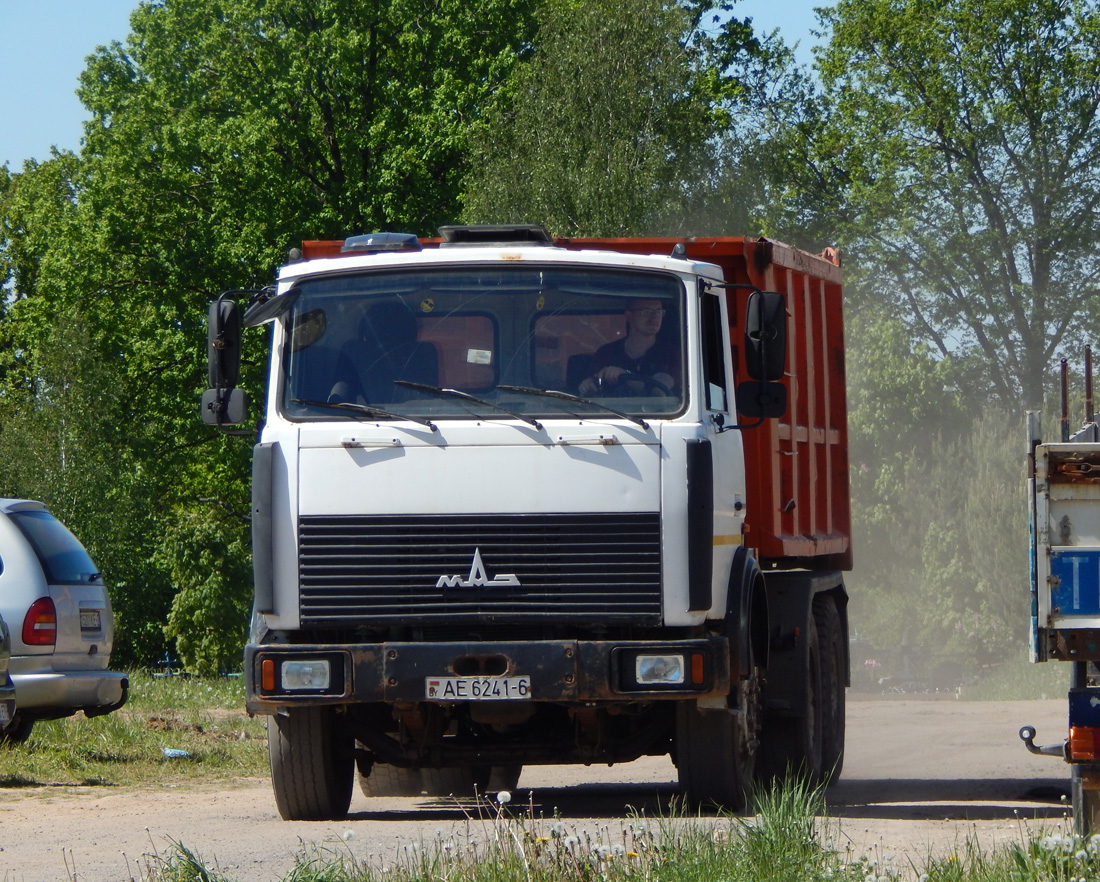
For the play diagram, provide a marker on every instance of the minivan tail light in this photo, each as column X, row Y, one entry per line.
column 40, row 624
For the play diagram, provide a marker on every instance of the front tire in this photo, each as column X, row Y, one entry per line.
column 457, row 781
column 504, row 778
column 716, row 748
column 312, row 764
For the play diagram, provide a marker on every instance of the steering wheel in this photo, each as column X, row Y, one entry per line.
column 646, row 381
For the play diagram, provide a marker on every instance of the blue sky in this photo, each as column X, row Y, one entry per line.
column 44, row 45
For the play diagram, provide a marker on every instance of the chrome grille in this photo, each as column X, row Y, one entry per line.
column 570, row 567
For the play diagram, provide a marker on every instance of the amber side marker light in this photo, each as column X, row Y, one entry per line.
column 1084, row 742
column 267, row 675
column 697, row 668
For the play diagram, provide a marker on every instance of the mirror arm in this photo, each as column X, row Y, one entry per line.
column 747, row 286
column 743, row 427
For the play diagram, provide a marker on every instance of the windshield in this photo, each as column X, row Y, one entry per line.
column 385, row 344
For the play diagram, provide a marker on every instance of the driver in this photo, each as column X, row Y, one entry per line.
column 615, row 365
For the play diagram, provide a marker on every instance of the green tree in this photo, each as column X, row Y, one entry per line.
column 939, row 515
column 222, row 132
column 62, row 443
column 608, row 128
column 213, row 582
column 968, row 136
column 279, row 119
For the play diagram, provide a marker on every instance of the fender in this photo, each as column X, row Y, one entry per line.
column 746, row 621
column 791, row 595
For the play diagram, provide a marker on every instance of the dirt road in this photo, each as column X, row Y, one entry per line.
column 918, row 775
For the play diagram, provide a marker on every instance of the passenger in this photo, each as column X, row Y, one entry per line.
column 385, row 349
column 618, row 367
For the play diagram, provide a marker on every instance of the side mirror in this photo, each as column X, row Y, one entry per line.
column 761, row 400
column 223, row 350
column 223, row 404
column 224, row 407
column 766, row 335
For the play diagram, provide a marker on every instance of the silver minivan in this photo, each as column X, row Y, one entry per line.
column 59, row 614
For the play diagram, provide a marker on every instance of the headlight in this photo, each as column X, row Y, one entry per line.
column 311, row 674
column 659, row 670
column 292, row 674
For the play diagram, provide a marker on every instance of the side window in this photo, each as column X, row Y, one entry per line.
column 714, row 353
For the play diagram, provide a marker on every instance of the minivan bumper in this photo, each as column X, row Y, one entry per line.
column 51, row 695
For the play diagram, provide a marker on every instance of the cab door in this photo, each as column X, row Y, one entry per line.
column 720, row 427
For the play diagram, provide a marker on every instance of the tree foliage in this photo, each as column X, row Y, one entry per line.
column 950, row 150
column 608, row 128
column 938, row 507
column 222, row 132
column 968, row 136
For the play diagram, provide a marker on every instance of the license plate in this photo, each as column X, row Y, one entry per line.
column 477, row 688
column 89, row 620
column 5, row 712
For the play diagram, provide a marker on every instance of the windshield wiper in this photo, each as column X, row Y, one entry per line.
column 366, row 410
column 566, row 396
column 465, row 396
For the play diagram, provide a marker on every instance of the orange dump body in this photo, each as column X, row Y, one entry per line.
column 798, row 502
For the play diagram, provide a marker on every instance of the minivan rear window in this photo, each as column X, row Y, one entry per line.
column 63, row 558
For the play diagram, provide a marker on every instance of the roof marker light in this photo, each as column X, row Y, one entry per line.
column 373, row 243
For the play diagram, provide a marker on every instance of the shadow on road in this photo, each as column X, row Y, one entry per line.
column 984, row 799
column 886, row 799
column 593, row 800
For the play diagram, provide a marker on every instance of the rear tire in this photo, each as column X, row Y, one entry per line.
column 17, row 731
column 831, row 634
column 793, row 746
column 387, row 780
column 312, row 764
column 456, row 781
column 504, row 778
column 1084, row 784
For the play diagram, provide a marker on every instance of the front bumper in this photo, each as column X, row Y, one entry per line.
column 559, row 671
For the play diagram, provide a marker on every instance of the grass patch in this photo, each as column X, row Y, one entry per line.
column 790, row 840
column 1019, row 680
column 203, row 720
column 786, row 843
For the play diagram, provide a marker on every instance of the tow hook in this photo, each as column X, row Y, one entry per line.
column 1027, row 735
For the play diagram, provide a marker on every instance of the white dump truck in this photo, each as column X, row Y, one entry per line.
column 519, row 499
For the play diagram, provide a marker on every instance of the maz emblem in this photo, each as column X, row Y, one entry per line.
column 477, row 577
